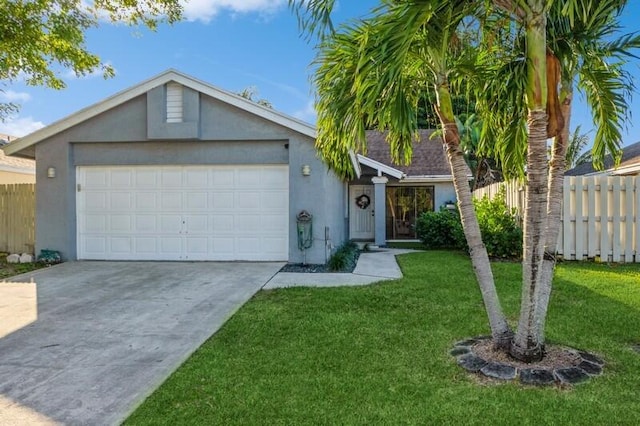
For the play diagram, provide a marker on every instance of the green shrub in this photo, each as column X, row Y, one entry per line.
column 345, row 258
column 440, row 229
column 501, row 233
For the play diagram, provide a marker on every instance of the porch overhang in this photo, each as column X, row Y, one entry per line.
column 379, row 167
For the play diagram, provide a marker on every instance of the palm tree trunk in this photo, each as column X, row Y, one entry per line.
column 526, row 345
column 500, row 331
column 554, row 205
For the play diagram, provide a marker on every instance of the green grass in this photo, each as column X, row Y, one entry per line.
column 415, row 245
column 379, row 354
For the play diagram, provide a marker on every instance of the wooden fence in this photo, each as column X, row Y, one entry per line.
column 17, row 218
column 600, row 216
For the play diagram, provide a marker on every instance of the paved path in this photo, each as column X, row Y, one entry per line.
column 104, row 335
column 374, row 266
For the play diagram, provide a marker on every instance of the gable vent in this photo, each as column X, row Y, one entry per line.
column 174, row 103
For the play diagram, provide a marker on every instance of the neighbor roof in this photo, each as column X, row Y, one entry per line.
column 630, row 158
column 299, row 126
column 17, row 165
column 428, row 159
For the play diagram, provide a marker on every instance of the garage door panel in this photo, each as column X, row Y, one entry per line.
column 146, row 245
column 171, row 201
column 221, row 200
column 95, row 223
column 95, row 245
column 183, row 212
column 171, row 177
column 197, row 178
column 146, row 223
column 146, row 201
column 120, row 201
column 96, row 201
column 121, row 245
column 121, row 178
column 97, row 178
column 248, row 200
column 120, row 223
column 197, row 200
column 147, row 178
column 170, row 224
column 171, row 245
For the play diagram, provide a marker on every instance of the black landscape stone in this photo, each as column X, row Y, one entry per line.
column 459, row 350
column 636, row 347
column 591, row 368
column 591, row 358
column 499, row 371
column 536, row 376
column 571, row 375
column 471, row 362
column 467, row 342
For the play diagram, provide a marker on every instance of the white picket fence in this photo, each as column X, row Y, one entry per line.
column 600, row 216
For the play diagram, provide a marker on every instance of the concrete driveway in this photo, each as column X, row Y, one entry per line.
column 108, row 333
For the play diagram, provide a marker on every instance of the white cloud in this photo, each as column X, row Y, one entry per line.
column 308, row 113
column 205, row 10
column 20, row 126
column 11, row 96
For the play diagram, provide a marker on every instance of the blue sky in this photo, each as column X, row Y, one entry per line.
column 231, row 44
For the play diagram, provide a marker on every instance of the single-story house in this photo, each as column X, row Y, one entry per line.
column 176, row 169
column 14, row 169
column 629, row 164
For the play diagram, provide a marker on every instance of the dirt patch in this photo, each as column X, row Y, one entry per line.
column 555, row 356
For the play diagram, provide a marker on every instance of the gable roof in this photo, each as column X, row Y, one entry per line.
column 170, row 75
column 429, row 159
column 630, row 163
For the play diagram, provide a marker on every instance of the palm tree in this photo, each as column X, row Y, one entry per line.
column 371, row 71
column 361, row 85
column 576, row 153
column 581, row 51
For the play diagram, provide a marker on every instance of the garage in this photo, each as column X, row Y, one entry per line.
column 183, row 212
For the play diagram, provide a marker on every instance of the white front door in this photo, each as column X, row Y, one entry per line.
column 183, row 212
column 361, row 212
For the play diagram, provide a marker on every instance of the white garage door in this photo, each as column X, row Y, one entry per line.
column 183, row 212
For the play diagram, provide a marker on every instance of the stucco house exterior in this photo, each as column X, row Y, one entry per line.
column 14, row 169
column 176, row 169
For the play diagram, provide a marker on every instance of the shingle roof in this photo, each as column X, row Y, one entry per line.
column 14, row 163
column 630, row 156
column 7, row 161
column 428, row 154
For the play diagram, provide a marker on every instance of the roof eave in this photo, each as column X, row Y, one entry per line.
column 380, row 167
column 141, row 88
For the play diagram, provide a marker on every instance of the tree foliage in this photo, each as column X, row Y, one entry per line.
column 39, row 39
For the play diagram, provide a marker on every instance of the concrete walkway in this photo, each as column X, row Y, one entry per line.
column 89, row 341
column 374, row 266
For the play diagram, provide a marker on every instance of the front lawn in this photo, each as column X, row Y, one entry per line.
column 379, row 354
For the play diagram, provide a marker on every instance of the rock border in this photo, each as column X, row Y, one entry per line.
column 589, row 366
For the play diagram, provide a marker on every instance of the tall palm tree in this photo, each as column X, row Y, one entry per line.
column 372, row 74
column 581, row 51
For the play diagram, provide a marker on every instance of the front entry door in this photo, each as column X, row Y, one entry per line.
column 361, row 213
